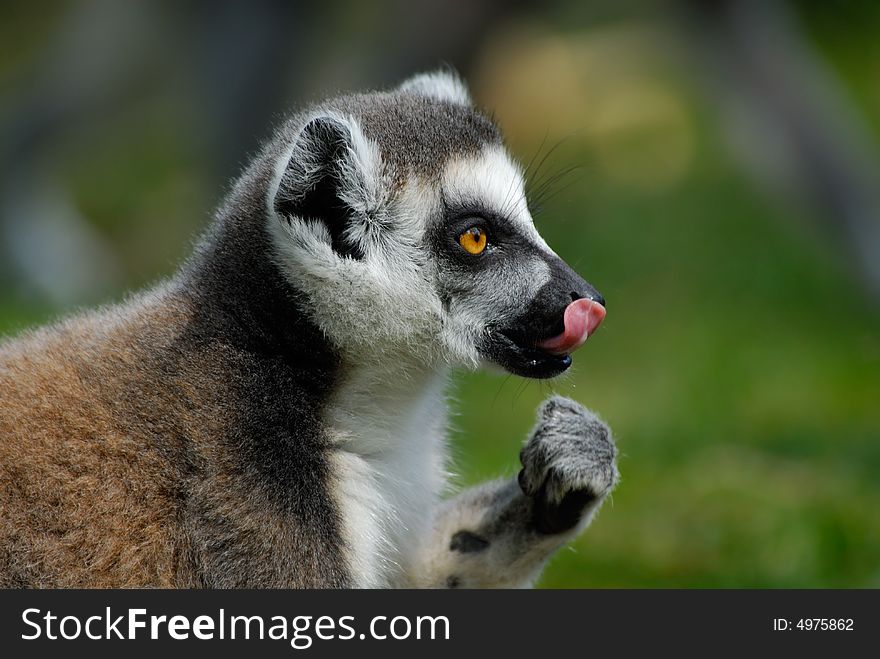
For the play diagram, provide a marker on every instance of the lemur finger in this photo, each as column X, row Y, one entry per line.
column 564, row 416
column 559, row 408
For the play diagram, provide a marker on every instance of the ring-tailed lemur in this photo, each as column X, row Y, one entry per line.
column 274, row 414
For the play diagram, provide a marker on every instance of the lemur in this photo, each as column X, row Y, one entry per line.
column 274, row 414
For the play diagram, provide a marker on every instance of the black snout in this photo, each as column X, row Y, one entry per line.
column 524, row 344
column 515, row 345
column 566, row 286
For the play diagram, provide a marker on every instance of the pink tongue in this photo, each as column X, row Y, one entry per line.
column 581, row 319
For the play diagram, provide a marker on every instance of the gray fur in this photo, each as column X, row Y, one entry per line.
column 419, row 134
column 416, row 133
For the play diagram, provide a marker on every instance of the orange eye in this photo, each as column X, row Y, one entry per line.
column 473, row 240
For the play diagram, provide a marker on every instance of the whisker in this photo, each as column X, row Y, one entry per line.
column 527, row 172
column 498, row 393
column 555, row 183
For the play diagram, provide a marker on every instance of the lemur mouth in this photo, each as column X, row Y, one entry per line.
column 549, row 356
column 582, row 317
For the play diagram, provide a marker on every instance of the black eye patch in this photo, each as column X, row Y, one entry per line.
column 461, row 216
column 504, row 240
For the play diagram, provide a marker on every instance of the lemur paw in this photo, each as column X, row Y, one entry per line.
column 569, row 464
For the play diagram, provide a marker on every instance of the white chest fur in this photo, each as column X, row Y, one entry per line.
column 388, row 466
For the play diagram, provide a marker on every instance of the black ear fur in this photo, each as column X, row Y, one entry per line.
column 311, row 184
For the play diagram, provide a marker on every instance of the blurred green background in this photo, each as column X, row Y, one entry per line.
column 725, row 202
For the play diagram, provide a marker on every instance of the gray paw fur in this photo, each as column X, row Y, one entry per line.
column 569, row 464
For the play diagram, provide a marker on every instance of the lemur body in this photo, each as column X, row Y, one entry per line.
column 274, row 415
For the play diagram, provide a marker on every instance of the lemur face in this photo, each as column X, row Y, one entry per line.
column 403, row 222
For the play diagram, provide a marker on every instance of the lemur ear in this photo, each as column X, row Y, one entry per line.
column 325, row 179
column 445, row 85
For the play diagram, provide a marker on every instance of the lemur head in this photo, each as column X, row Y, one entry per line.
column 403, row 223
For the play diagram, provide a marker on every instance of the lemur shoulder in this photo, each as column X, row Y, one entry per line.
column 274, row 414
